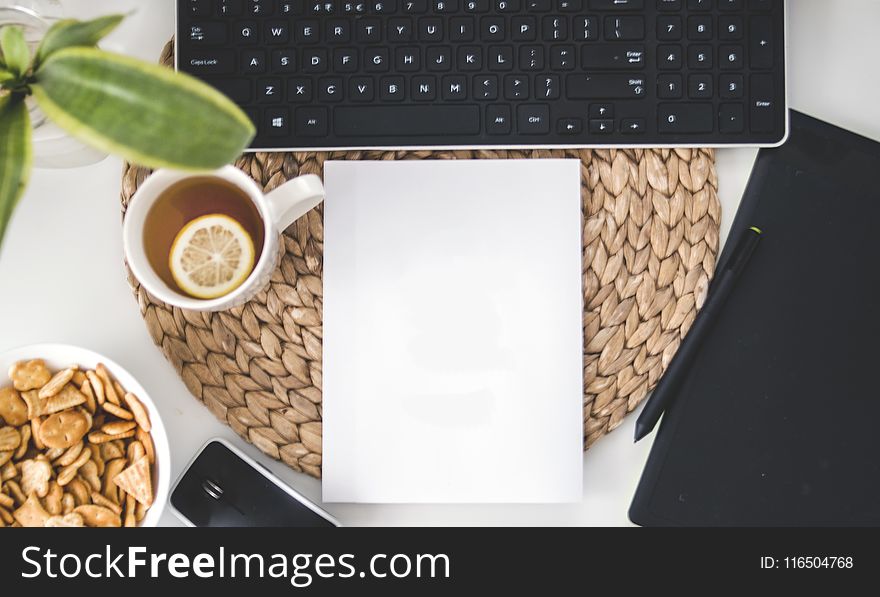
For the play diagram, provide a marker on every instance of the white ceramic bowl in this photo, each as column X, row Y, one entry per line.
column 59, row 356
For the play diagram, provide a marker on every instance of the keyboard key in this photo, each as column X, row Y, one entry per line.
column 361, row 89
column 269, row 91
column 569, row 5
column 523, row 29
column 445, row 6
column 277, row 122
column 700, row 86
column 562, row 57
column 516, row 87
column 683, row 118
column 230, row 8
column 762, row 102
column 498, row 120
column 531, row 58
column 731, row 86
column 697, row 5
column 492, row 29
column 731, row 57
column 760, row 42
column 400, row 30
column 253, row 61
column 602, row 126
column 547, row 87
column 284, row 61
column 669, row 5
column 430, row 29
column 669, row 57
column 700, row 28
column 246, row 34
column 632, row 126
column 601, row 111
column 215, row 62
column 408, row 59
column 486, row 87
column 312, row 122
column 569, row 126
column 556, row 28
column 668, row 28
column 424, row 89
column 513, row 5
column 406, row 121
column 478, row 6
column 731, row 118
column 330, row 89
column 454, row 88
column 586, row 28
column 470, row 58
column 368, row 30
column 345, row 60
column 260, row 8
column 533, row 119
column 760, row 4
column 669, row 87
column 617, row 4
column 338, row 31
column 461, row 29
column 438, row 58
column 277, row 33
column 500, row 58
column 299, row 90
column 624, row 28
column 602, row 86
column 376, row 60
column 314, row 60
column 613, row 57
column 307, row 32
column 199, row 8
column 700, row 57
column 414, row 7
column 207, row 34
column 391, row 89
column 238, row 90
column 730, row 28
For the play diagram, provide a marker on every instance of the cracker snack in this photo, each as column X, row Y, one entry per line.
column 75, row 449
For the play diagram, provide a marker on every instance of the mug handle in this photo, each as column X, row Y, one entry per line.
column 294, row 199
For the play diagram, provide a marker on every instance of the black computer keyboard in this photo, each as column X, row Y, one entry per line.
column 494, row 73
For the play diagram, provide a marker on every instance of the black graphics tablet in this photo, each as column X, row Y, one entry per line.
column 778, row 421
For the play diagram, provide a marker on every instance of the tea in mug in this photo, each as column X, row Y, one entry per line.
column 203, row 237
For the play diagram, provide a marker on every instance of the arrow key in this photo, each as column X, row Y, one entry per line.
column 601, row 110
column 601, row 126
column 569, row 126
column 632, row 126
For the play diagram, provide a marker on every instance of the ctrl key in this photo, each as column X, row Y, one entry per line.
column 533, row 119
column 311, row 122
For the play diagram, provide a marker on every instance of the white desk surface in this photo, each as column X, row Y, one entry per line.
column 62, row 276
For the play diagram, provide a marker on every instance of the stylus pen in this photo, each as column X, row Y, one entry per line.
column 681, row 362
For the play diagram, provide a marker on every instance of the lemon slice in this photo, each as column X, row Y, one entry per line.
column 212, row 256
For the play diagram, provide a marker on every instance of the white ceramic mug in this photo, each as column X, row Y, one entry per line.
column 278, row 210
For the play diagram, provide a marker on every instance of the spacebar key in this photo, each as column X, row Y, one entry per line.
column 404, row 121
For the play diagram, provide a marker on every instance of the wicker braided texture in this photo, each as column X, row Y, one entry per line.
column 651, row 221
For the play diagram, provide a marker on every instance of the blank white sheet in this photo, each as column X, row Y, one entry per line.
column 452, row 363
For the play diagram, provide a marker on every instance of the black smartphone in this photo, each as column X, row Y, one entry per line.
column 223, row 487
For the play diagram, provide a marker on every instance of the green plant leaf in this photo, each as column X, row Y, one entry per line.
column 72, row 33
column 15, row 50
column 5, row 75
column 16, row 155
column 147, row 114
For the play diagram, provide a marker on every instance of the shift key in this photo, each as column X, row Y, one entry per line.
column 605, row 86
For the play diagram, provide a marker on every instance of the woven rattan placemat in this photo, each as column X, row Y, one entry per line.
column 650, row 240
